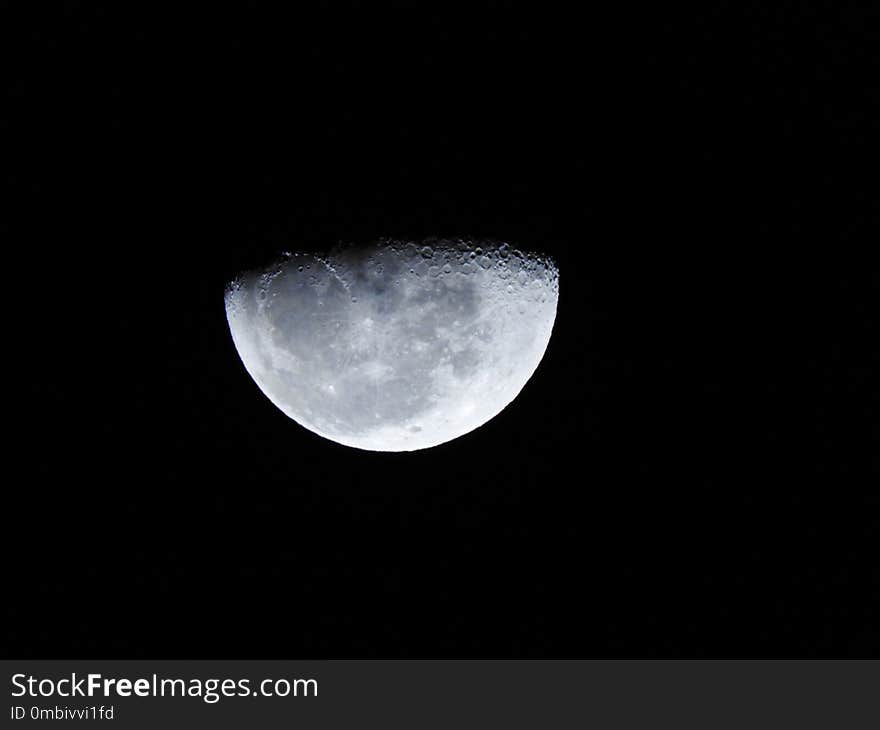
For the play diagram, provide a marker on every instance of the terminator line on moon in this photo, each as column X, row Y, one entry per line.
column 399, row 346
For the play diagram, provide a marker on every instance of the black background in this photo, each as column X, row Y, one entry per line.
column 689, row 472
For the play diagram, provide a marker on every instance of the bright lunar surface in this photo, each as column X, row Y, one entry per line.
column 398, row 346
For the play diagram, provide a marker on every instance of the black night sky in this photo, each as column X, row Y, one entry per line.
column 691, row 472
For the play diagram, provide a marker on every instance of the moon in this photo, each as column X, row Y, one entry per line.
column 397, row 346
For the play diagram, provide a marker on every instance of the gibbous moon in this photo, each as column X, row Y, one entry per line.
column 399, row 346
